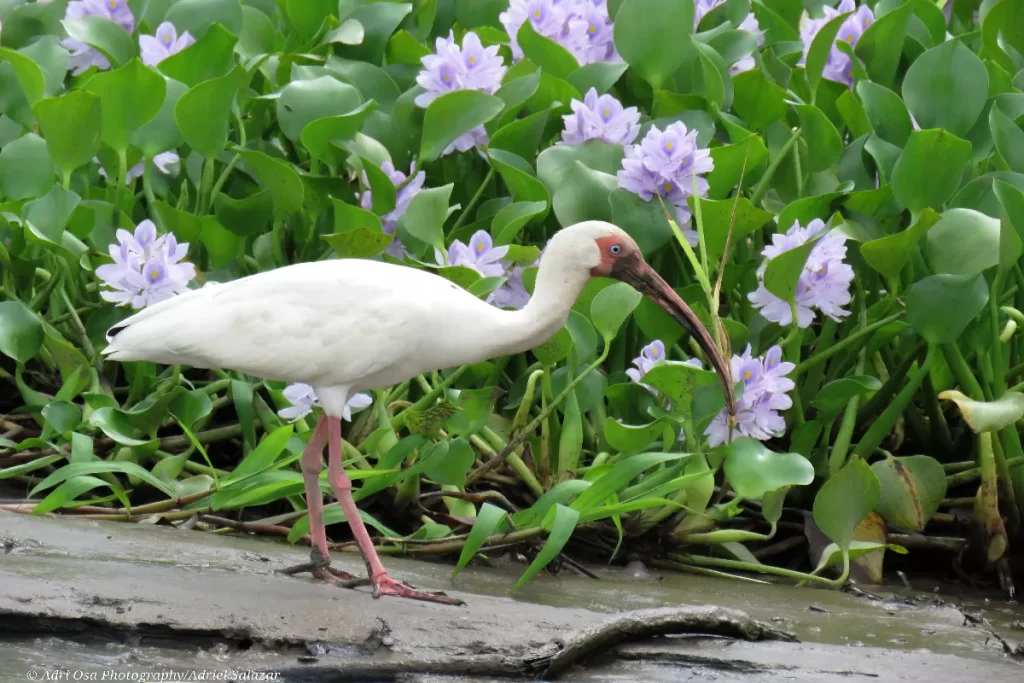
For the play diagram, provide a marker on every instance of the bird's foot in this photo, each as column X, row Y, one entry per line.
column 385, row 585
column 320, row 567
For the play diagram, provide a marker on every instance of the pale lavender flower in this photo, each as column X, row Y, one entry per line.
column 650, row 355
column 147, row 268
column 389, row 221
column 665, row 164
column 838, row 66
column 451, row 68
column 165, row 43
column 167, row 163
column 600, row 118
column 746, row 63
column 765, row 390
column 303, row 398
column 824, row 283
column 83, row 55
column 512, row 294
column 480, row 254
column 583, row 27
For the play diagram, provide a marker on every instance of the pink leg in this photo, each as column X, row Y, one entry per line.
column 342, row 485
column 312, row 464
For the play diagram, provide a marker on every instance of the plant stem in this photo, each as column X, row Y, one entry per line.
column 881, row 427
column 844, row 345
column 761, row 189
column 461, row 220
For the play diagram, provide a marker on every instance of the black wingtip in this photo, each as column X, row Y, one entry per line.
column 114, row 331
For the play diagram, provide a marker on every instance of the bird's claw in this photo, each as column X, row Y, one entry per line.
column 385, row 585
column 320, row 567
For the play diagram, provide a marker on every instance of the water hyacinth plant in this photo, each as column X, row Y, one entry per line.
column 835, row 189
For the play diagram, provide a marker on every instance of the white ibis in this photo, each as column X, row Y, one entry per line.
column 345, row 326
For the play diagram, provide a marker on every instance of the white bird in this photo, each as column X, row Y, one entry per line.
column 345, row 326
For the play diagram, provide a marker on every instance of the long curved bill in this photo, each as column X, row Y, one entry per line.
column 634, row 271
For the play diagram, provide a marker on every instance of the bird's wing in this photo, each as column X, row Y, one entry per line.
column 327, row 322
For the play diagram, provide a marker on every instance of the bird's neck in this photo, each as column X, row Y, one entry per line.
column 554, row 293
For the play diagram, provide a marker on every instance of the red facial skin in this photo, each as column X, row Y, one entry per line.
column 608, row 259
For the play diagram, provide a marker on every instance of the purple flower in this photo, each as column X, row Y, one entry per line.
column 302, row 398
column 650, row 355
column 749, row 24
column 480, row 254
column 147, row 268
column 824, row 283
column 471, row 67
column 83, row 55
column 838, row 66
column 665, row 163
column 600, row 118
column 167, row 163
column 389, row 221
column 583, row 27
column 165, row 43
column 765, row 388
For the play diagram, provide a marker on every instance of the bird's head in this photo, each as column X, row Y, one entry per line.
column 609, row 252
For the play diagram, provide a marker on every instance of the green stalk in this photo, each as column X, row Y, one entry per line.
column 962, row 372
column 702, row 561
column 761, row 189
column 844, row 344
column 883, row 425
column 477, row 196
column 996, row 350
column 205, row 185
column 398, row 421
column 837, row 458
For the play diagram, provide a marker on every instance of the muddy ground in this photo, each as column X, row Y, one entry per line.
column 133, row 602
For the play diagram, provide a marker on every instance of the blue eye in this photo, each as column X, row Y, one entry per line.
column 614, row 249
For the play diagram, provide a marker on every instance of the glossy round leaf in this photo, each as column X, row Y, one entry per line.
column 71, row 125
column 21, row 332
column 550, row 56
column 654, row 36
column 161, row 132
column 947, row 73
column 582, row 195
column 26, row 170
column 845, row 500
column 1008, row 139
column 212, row 56
column 279, row 178
column 940, row 307
column 988, row 416
column 833, row 397
column 881, row 45
column 302, row 102
column 318, row 135
column 454, row 114
column 963, row 242
column 129, row 97
column 929, row 170
column 889, row 254
column 425, row 217
column 103, row 34
column 203, row 113
column 912, row 488
column 889, row 117
column 611, row 307
column 753, row 471
column 196, row 16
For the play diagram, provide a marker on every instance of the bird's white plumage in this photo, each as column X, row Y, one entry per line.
column 350, row 325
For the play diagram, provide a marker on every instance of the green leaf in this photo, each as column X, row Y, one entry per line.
column 190, row 406
column 729, row 162
column 963, row 242
column 599, row 75
column 245, row 217
column 551, row 57
column 518, row 175
column 21, row 332
column 262, row 457
column 511, row 219
column 521, row 137
column 451, row 469
column 452, row 115
column 29, row 75
column 582, row 195
column 279, row 178
column 929, row 170
column 64, row 495
column 379, row 20
column 555, row 349
column 619, row 475
column 26, row 170
column 845, row 500
column 560, row 525
column 758, row 101
column 679, row 383
column 555, row 161
column 783, row 272
column 425, row 217
column 717, row 217
column 106, row 36
column 833, row 397
column 889, row 117
column 197, row 16
column 1008, row 139
column 359, row 243
column 79, row 468
column 611, row 307
column 820, row 49
column 161, row 132
column 833, row 554
column 632, row 439
column 129, row 97
column 654, row 36
column 940, row 307
column 115, row 424
column 644, row 221
column 62, row 416
column 753, row 470
column 988, row 416
column 71, row 125
column 307, row 15
column 203, row 113
column 889, row 254
column 487, row 521
column 824, row 146
column 212, row 56
column 912, row 488
column 318, row 134
column 302, row 102
column 881, row 45
column 947, row 73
